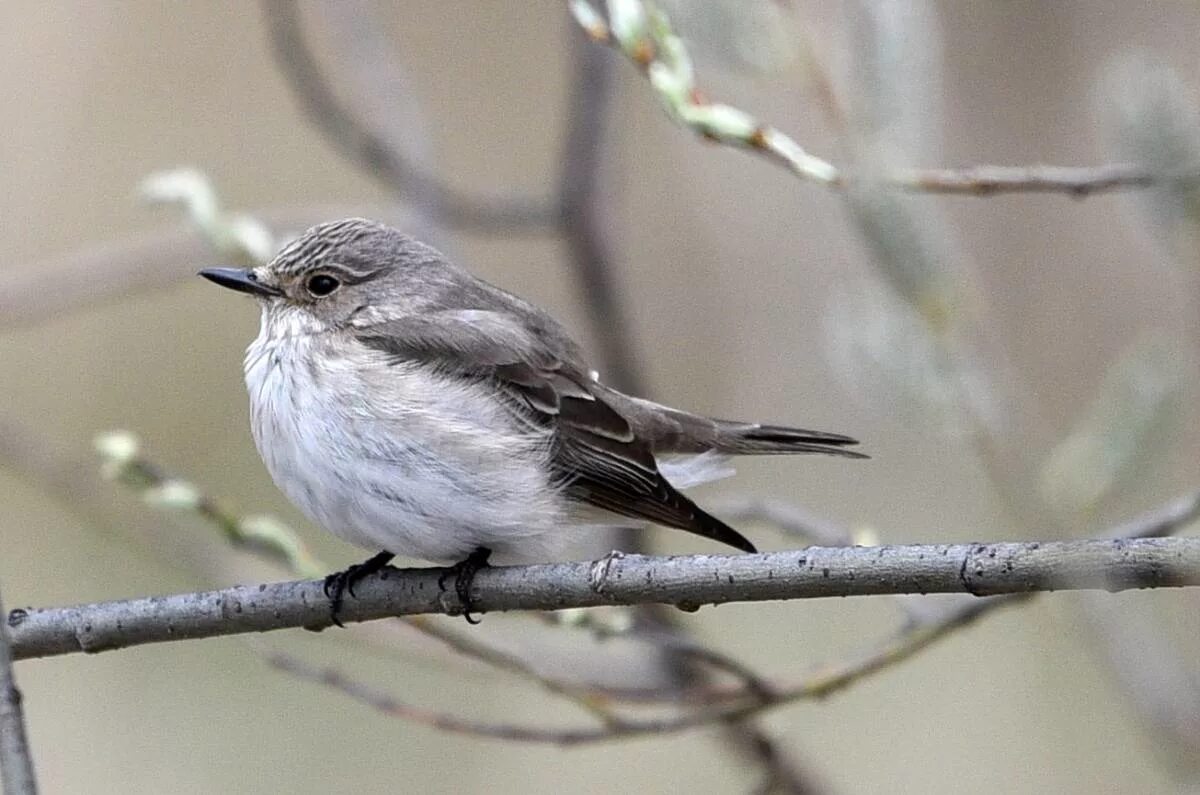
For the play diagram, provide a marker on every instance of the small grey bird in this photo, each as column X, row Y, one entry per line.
column 405, row 405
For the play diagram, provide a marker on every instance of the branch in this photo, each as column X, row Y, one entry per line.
column 388, row 158
column 1076, row 181
column 723, row 708
column 686, row 581
column 16, row 762
column 585, row 221
column 644, row 35
column 156, row 260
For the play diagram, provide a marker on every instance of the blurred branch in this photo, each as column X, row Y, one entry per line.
column 643, row 33
column 264, row 535
column 1154, row 676
column 790, row 518
column 820, row 683
column 16, row 761
column 585, row 222
column 109, row 272
column 331, row 677
column 385, row 154
column 684, row 581
column 1077, row 181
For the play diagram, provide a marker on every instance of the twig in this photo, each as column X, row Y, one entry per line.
column 822, row 682
column 644, row 35
column 687, row 581
column 331, row 677
column 748, row 680
column 383, row 157
column 1076, row 181
column 265, row 535
column 590, row 699
column 16, row 761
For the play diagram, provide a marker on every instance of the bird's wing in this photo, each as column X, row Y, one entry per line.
column 597, row 455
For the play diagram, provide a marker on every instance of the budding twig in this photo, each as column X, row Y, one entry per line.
column 643, row 33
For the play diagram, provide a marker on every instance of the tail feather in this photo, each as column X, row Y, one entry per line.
column 670, row 430
column 740, row 438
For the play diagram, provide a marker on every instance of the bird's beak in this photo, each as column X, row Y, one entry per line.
column 241, row 279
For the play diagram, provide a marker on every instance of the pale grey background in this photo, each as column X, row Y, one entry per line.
column 727, row 264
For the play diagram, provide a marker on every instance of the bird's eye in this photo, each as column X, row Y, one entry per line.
column 322, row 284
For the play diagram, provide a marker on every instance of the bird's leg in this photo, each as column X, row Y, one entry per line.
column 338, row 583
column 464, row 575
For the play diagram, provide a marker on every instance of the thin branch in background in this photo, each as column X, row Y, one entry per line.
column 586, row 226
column 590, row 699
column 821, row 683
column 748, row 680
column 388, row 159
column 1079, row 182
column 332, row 678
column 158, row 260
column 585, row 221
column 788, row 517
column 644, row 35
column 16, row 760
column 264, row 535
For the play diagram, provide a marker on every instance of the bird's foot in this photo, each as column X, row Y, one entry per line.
column 464, row 575
column 342, row 582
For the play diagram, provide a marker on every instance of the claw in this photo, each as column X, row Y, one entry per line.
column 464, row 575
column 341, row 582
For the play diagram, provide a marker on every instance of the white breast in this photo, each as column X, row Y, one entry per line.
column 397, row 456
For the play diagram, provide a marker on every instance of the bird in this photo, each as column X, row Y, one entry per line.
column 407, row 406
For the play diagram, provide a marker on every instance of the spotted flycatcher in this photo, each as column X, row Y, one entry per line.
column 405, row 405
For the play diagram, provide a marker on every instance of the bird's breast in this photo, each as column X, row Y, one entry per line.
column 397, row 455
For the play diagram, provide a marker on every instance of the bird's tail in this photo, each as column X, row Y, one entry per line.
column 744, row 438
column 673, row 431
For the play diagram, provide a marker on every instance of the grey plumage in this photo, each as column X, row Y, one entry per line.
column 406, row 337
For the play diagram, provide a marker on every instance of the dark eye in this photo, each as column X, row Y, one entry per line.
column 322, row 284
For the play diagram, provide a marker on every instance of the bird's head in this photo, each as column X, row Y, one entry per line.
column 337, row 274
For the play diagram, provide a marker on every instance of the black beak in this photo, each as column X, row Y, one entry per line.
column 241, row 279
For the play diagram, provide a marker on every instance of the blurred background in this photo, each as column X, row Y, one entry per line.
column 1018, row 366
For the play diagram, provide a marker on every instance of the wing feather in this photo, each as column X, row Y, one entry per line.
column 597, row 455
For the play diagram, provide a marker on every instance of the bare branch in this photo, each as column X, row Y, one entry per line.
column 686, row 581
column 822, row 682
column 16, row 761
column 1077, row 181
column 331, row 677
column 728, row 710
column 388, row 158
